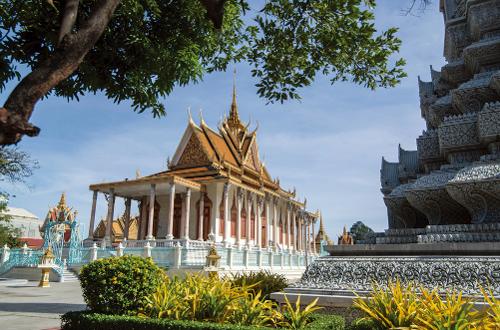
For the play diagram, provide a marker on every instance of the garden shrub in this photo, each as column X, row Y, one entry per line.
column 406, row 307
column 200, row 298
column 85, row 320
column 263, row 281
column 119, row 285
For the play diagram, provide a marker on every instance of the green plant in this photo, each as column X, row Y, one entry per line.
column 84, row 320
column 296, row 317
column 119, row 285
column 208, row 299
column 451, row 312
column 363, row 324
column 391, row 308
column 491, row 318
column 263, row 281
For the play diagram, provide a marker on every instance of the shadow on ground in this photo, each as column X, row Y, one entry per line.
column 55, row 308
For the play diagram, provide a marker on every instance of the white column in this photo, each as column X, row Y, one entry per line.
column 171, row 202
column 299, row 234
column 313, row 239
column 294, row 224
column 188, row 211
column 152, row 199
column 268, row 221
column 239, row 201
column 109, row 218
column 258, row 231
column 227, row 228
column 249, row 208
column 288, row 229
column 275, row 223
column 92, row 215
column 128, row 203
column 201, row 216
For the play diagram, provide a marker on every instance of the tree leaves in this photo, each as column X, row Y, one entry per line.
column 152, row 46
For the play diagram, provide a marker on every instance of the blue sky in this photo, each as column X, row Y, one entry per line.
column 329, row 145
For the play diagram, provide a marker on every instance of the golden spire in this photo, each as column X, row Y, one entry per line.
column 321, row 228
column 234, row 118
column 62, row 201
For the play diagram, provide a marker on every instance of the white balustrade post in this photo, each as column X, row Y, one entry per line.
column 5, row 253
column 282, row 258
column 147, row 250
column 25, row 249
column 271, row 258
column 177, row 256
column 259, row 258
column 230, row 257
column 119, row 250
column 93, row 252
column 246, row 256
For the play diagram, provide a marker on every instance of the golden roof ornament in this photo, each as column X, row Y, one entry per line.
column 346, row 238
column 62, row 201
column 233, row 121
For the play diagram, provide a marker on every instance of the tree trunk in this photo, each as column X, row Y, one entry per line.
column 17, row 110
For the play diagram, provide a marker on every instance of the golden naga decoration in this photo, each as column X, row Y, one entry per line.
column 346, row 238
column 60, row 213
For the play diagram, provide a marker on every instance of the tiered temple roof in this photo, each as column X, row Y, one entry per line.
column 205, row 155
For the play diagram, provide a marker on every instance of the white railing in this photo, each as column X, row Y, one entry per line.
column 178, row 253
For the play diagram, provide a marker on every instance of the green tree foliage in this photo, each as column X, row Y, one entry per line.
column 359, row 231
column 150, row 46
column 8, row 234
column 15, row 167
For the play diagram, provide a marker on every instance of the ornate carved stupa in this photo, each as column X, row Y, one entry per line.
column 448, row 190
column 443, row 199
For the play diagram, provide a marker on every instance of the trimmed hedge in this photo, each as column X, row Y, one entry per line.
column 87, row 320
column 119, row 285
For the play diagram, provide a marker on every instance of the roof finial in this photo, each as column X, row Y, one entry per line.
column 202, row 120
column 62, row 201
column 234, row 118
column 189, row 115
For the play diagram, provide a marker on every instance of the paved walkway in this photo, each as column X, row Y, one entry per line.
column 28, row 307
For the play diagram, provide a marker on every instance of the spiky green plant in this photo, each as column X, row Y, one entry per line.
column 450, row 312
column 294, row 317
column 394, row 307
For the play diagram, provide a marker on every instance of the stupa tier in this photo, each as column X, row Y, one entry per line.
column 448, row 190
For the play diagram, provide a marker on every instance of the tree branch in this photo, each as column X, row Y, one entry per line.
column 68, row 19
column 17, row 110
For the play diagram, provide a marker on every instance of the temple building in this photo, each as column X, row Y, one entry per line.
column 215, row 189
column 119, row 229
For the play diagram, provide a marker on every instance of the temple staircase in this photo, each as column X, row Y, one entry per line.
column 69, row 276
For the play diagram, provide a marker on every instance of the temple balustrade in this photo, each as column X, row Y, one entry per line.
column 192, row 255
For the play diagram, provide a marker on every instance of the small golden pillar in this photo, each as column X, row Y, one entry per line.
column 46, row 264
column 213, row 262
